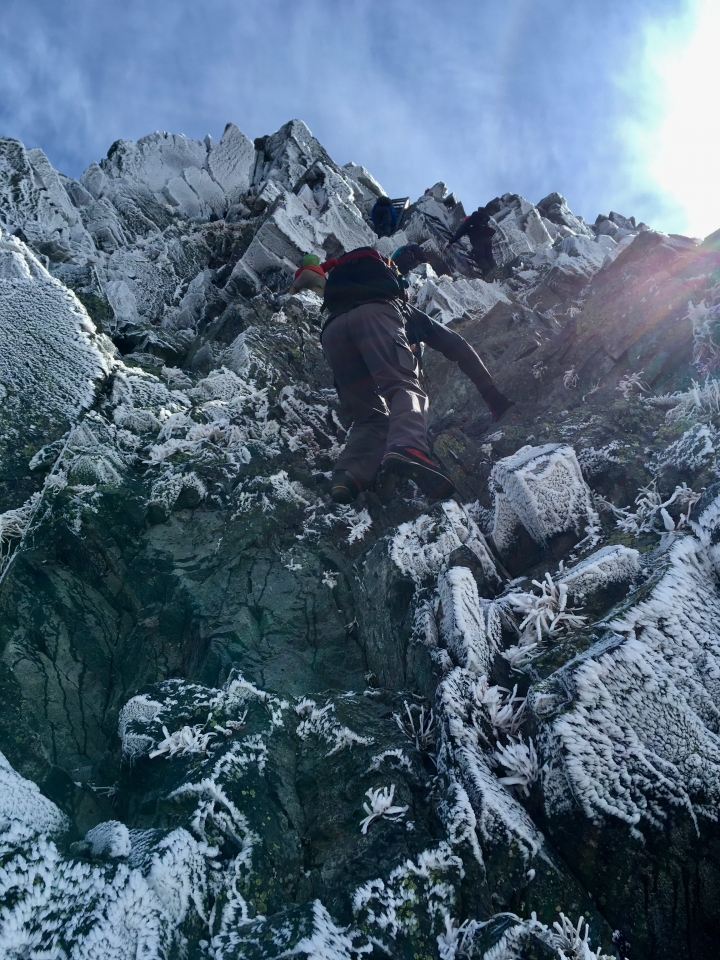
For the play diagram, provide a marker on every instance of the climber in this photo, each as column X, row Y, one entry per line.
column 309, row 276
column 477, row 229
column 407, row 257
column 384, row 217
column 371, row 339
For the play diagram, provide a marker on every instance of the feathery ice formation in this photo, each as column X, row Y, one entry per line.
column 239, row 721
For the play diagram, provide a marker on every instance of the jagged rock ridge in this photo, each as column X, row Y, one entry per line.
column 239, row 721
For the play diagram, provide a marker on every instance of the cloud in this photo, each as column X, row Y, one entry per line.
column 491, row 96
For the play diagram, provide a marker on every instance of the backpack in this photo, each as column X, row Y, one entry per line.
column 360, row 276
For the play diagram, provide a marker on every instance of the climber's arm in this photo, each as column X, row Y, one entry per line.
column 460, row 232
column 450, row 344
column 421, row 327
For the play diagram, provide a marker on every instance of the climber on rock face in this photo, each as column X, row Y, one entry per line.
column 370, row 339
column 384, row 217
column 309, row 276
column 407, row 257
column 477, row 229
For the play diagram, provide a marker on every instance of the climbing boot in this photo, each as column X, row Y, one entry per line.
column 345, row 488
column 415, row 465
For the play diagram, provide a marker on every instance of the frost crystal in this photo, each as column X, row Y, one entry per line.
column 184, row 741
column 457, row 940
column 631, row 385
column 111, row 839
column 466, row 625
column 545, row 615
column 565, row 940
column 651, row 510
column 699, row 400
column 705, row 319
column 321, row 722
column 505, row 710
column 521, row 763
column 570, row 378
column 420, row 547
column 381, row 807
column 417, row 726
column 13, row 526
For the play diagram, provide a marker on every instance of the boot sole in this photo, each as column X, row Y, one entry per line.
column 432, row 482
column 343, row 495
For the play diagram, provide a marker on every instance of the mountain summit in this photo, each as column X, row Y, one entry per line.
column 241, row 721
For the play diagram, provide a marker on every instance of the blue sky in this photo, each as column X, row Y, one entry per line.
column 527, row 96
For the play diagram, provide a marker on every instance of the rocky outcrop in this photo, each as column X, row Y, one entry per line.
column 238, row 720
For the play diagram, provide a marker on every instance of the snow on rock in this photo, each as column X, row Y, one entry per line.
column 490, row 810
column 425, row 887
column 51, row 360
column 519, row 228
column 110, row 839
column 286, row 155
column 299, row 225
column 231, row 162
column 606, row 567
column 144, row 723
column 34, row 201
column 639, row 736
column 221, row 412
column 446, row 299
column 573, row 260
column 542, row 489
column 465, row 625
column 149, row 163
column 559, row 220
column 25, row 814
column 115, row 910
column 420, row 547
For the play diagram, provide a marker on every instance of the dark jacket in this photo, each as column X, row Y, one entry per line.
column 476, row 228
column 420, row 328
column 384, row 217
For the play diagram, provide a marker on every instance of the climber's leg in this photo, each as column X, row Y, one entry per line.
column 367, row 438
column 377, row 332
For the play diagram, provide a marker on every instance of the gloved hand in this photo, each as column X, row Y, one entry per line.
column 497, row 403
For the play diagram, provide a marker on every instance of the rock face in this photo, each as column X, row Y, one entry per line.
column 238, row 721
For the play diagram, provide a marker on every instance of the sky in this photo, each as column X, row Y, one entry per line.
column 613, row 103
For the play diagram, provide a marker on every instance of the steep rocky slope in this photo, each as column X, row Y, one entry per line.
column 238, row 721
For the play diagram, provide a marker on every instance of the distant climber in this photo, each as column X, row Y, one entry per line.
column 309, row 276
column 370, row 339
column 407, row 257
column 384, row 217
column 477, row 229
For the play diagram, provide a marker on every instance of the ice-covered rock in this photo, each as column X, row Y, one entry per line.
column 51, row 360
column 639, row 735
column 34, row 201
column 542, row 490
column 446, row 299
column 231, row 163
column 554, row 208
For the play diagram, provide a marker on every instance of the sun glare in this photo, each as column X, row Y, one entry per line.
column 684, row 151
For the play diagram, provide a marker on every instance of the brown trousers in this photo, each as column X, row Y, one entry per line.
column 376, row 375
